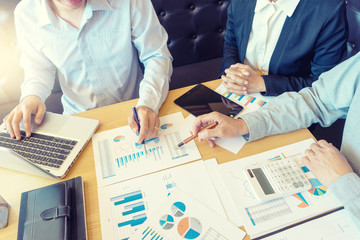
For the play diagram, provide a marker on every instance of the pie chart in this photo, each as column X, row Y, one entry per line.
column 178, row 209
column 166, row 222
column 189, row 228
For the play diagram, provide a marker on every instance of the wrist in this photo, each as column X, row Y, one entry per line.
column 241, row 127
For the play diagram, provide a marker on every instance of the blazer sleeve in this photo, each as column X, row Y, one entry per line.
column 329, row 50
column 230, row 52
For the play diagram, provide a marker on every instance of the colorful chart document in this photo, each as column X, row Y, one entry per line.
column 333, row 226
column 263, row 217
column 124, row 206
column 250, row 102
column 119, row 157
column 182, row 217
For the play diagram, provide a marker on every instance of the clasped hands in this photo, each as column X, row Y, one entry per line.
column 242, row 79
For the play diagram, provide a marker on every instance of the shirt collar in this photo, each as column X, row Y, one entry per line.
column 288, row 6
column 47, row 16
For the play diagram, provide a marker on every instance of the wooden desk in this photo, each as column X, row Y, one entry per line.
column 12, row 183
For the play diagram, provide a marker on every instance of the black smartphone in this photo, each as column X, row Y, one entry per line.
column 201, row 100
column 4, row 213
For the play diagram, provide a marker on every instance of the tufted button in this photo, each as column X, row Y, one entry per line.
column 168, row 42
column 192, row 7
column 194, row 36
column 220, row 30
column 162, row 14
column 353, row 45
column 220, row 2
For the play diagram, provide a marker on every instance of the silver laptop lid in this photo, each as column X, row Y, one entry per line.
column 56, row 125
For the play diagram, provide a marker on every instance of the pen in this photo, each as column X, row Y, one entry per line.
column 211, row 125
column 138, row 124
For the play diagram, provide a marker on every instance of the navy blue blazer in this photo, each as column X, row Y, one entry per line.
column 312, row 41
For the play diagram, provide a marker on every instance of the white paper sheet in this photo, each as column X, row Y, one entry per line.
column 231, row 144
column 118, row 157
column 124, row 206
column 182, row 217
column 260, row 218
column 228, row 204
column 335, row 226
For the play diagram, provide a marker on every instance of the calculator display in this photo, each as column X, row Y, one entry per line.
column 263, row 181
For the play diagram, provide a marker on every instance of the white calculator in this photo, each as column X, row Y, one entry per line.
column 277, row 179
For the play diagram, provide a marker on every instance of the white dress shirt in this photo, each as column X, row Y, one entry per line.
column 267, row 24
column 100, row 60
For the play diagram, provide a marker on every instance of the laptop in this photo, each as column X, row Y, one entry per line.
column 52, row 148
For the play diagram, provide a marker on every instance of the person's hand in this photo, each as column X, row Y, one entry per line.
column 29, row 105
column 149, row 123
column 326, row 162
column 242, row 79
column 226, row 128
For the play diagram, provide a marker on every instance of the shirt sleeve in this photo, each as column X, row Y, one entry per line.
column 230, row 51
column 150, row 39
column 39, row 72
column 350, row 199
column 329, row 50
column 326, row 101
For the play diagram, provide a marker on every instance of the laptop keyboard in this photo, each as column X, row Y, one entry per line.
column 40, row 149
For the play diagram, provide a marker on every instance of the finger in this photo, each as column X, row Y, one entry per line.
column 208, row 134
column 144, row 127
column 323, row 143
column 157, row 127
column 8, row 125
column 132, row 123
column 16, row 124
column 40, row 114
column 211, row 143
column 235, row 73
column 152, row 130
column 27, row 121
column 306, row 161
column 202, row 121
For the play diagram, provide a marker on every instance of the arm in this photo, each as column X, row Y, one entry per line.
column 350, row 199
column 329, row 49
column 150, row 39
column 230, row 52
column 39, row 74
column 327, row 100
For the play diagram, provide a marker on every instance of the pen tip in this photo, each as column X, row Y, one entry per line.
column 176, row 147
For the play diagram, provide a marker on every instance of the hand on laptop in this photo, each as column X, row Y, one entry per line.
column 29, row 105
column 149, row 123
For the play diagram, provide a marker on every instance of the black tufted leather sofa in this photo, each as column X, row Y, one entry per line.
column 196, row 31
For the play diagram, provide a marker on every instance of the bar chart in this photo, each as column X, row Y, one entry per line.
column 129, row 210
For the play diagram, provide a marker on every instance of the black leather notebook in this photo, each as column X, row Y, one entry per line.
column 53, row 212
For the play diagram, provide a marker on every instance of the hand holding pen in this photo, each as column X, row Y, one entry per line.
column 147, row 120
column 226, row 127
column 209, row 126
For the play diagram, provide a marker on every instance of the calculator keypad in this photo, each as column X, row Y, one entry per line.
column 285, row 175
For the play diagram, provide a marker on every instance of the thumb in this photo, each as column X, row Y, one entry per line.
column 208, row 134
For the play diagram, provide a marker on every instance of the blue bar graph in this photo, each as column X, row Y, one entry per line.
column 134, row 210
column 136, row 220
column 241, row 97
column 129, row 197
